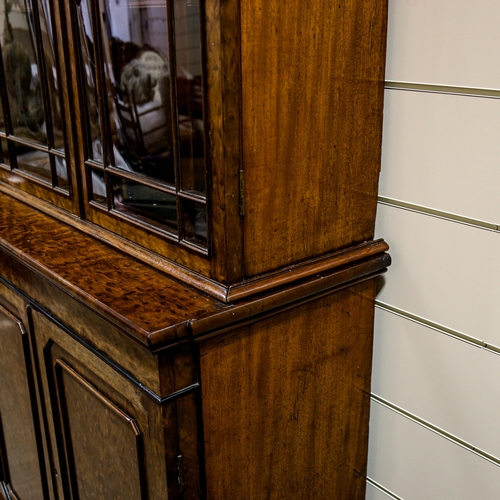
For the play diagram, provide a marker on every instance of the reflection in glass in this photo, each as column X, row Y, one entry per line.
column 5, row 152
column 142, row 201
column 34, row 161
column 87, row 56
column 51, row 71
column 189, row 94
column 126, row 62
column 22, row 76
column 98, row 187
column 61, row 172
column 195, row 222
column 2, row 118
column 135, row 48
column 32, row 88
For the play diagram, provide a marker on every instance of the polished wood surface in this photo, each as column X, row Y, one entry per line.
column 30, row 186
column 224, row 293
column 23, row 461
column 312, row 85
column 294, row 108
column 289, row 297
column 106, row 337
column 305, row 270
column 179, row 371
column 224, row 110
column 136, row 366
column 320, row 326
column 98, row 418
column 161, row 310
column 137, row 296
column 286, row 402
column 97, row 440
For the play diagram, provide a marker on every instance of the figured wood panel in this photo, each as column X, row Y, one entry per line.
column 285, row 402
column 104, row 440
column 125, row 291
column 94, row 406
column 312, row 92
column 105, row 337
column 17, row 422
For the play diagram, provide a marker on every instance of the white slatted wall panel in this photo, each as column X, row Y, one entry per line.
column 434, row 431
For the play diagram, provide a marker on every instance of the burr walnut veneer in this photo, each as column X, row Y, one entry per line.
column 187, row 268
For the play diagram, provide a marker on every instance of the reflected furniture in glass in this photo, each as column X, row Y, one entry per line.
column 187, row 256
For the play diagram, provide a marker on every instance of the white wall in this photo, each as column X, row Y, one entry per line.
column 435, row 431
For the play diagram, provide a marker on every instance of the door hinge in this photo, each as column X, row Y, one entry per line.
column 242, row 193
column 180, row 475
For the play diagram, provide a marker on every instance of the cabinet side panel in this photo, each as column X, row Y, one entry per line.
column 285, row 402
column 312, row 93
column 17, row 426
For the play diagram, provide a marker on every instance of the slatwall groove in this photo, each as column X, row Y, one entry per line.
column 443, row 89
column 436, row 430
column 451, row 217
column 379, row 487
column 437, row 327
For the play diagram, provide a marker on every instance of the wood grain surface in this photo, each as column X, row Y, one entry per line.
column 101, row 426
column 146, row 304
column 97, row 443
column 139, row 298
column 134, row 366
column 19, row 423
column 293, row 100
column 312, row 87
column 286, row 402
column 224, row 108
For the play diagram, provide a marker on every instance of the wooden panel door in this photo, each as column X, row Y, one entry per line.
column 21, row 458
column 108, row 433
column 97, row 435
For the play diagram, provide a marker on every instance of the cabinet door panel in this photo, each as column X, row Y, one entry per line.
column 106, row 432
column 19, row 446
column 99, row 435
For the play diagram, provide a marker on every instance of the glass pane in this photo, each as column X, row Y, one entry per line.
column 135, row 48
column 61, row 172
column 144, row 202
column 190, row 94
column 21, row 69
column 5, row 152
column 34, row 161
column 98, row 193
column 51, row 70
column 2, row 119
column 87, row 56
column 195, row 222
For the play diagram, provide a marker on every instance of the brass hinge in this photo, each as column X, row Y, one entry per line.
column 242, row 194
column 180, row 475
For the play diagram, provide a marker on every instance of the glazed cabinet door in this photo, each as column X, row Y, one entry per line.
column 21, row 456
column 106, row 434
